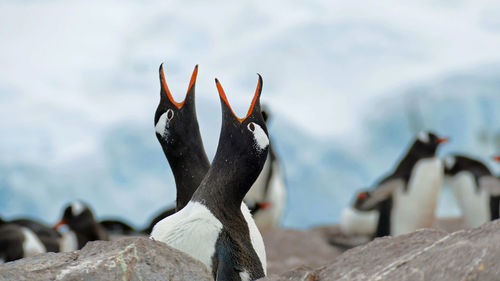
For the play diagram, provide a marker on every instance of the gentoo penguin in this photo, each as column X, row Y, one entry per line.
column 406, row 200
column 18, row 242
column 177, row 130
column 475, row 188
column 47, row 235
column 266, row 198
column 82, row 226
column 215, row 226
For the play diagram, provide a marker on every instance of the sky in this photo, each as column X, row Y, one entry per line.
column 70, row 71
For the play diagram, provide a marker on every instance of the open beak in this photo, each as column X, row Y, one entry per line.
column 167, row 90
column 255, row 99
column 443, row 140
column 59, row 224
column 496, row 158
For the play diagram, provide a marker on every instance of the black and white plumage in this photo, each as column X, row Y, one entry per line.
column 476, row 189
column 82, row 225
column 18, row 242
column 215, row 227
column 406, row 199
column 178, row 132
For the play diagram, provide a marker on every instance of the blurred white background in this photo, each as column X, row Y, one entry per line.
column 348, row 84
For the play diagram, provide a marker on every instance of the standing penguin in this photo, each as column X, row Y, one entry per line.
column 407, row 199
column 215, row 226
column 82, row 225
column 475, row 188
column 266, row 198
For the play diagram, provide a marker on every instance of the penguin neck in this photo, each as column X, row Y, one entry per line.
column 189, row 165
column 227, row 182
column 406, row 164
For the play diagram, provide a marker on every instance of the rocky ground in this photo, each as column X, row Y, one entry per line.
column 429, row 254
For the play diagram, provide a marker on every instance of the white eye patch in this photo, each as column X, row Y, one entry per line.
column 261, row 139
column 449, row 162
column 423, row 137
column 163, row 122
column 77, row 208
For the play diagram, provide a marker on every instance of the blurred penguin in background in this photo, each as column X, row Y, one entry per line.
column 17, row 242
column 266, row 199
column 406, row 199
column 475, row 188
column 82, row 227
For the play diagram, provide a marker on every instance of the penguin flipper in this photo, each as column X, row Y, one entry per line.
column 380, row 193
column 492, row 185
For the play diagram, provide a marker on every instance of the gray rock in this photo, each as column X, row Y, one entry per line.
column 472, row 254
column 289, row 248
column 126, row 259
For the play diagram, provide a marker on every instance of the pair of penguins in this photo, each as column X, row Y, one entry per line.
column 403, row 201
column 20, row 238
column 211, row 222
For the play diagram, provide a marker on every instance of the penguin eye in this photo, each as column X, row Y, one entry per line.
column 170, row 114
column 251, row 127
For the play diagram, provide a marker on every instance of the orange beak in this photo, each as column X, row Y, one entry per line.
column 443, row 140
column 59, row 224
column 496, row 158
column 362, row 195
column 264, row 205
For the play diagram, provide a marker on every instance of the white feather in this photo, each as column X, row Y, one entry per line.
column 261, row 139
column 161, row 125
column 473, row 203
column 77, row 208
column 68, row 241
column 255, row 237
column 415, row 208
column 355, row 222
column 244, row 276
column 423, row 136
column 32, row 244
column 276, row 196
column 193, row 230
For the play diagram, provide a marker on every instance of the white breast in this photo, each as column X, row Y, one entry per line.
column 255, row 237
column 32, row 244
column 68, row 241
column 276, row 195
column 193, row 230
column 473, row 203
column 415, row 208
column 355, row 222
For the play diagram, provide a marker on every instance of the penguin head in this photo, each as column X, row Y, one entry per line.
column 427, row 143
column 176, row 122
column 243, row 140
column 77, row 216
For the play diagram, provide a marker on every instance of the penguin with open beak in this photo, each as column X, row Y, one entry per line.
column 216, row 226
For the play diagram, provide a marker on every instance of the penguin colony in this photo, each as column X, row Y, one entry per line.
column 220, row 206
